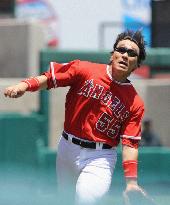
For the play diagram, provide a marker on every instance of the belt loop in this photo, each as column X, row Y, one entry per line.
column 99, row 146
column 70, row 137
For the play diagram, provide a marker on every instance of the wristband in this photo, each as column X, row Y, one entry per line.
column 33, row 84
column 130, row 168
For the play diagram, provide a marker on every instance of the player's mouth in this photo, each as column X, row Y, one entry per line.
column 123, row 64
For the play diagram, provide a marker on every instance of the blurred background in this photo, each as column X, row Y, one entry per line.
column 35, row 32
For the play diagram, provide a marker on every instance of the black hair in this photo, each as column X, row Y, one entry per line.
column 136, row 37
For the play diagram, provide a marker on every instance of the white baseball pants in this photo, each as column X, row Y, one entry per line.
column 83, row 173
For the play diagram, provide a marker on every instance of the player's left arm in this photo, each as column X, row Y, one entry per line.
column 130, row 165
column 131, row 135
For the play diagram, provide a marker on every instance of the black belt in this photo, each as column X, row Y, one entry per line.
column 85, row 144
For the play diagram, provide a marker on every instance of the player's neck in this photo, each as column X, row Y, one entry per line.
column 117, row 76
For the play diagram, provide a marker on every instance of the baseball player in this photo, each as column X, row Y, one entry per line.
column 102, row 108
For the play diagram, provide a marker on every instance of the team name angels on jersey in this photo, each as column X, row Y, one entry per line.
column 109, row 123
column 96, row 91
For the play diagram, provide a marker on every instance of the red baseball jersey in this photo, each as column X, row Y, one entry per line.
column 97, row 107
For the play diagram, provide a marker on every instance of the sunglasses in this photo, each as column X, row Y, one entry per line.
column 130, row 52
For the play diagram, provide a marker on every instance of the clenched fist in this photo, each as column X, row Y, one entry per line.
column 16, row 91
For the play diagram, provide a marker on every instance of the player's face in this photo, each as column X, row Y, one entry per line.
column 124, row 59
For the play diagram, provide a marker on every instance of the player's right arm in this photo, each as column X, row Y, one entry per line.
column 19, row 89
column 59, row 75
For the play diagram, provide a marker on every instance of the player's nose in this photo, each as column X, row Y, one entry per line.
column 125, row 54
